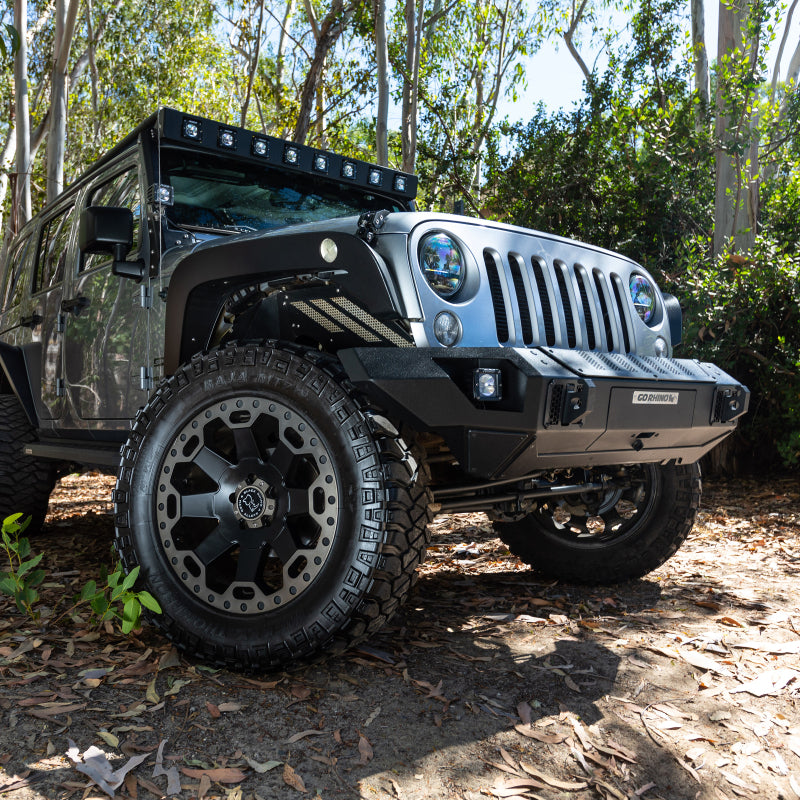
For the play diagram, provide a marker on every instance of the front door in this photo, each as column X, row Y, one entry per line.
column 106, row 338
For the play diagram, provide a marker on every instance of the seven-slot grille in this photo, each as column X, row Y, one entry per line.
column 559, row 305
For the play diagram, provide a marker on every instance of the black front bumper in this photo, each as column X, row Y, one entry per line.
column 559, row 408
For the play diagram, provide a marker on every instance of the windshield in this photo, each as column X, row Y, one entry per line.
column 210, row 192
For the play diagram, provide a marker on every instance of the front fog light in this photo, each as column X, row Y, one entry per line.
column 661, row 348
column 487, row 384
column 447, row 328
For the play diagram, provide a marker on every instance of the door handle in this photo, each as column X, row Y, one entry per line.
column 30, row 322
column 75, row 304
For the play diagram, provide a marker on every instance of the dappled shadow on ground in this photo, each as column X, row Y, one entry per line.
column 491, row 682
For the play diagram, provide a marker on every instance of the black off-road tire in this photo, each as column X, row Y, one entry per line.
column 307, row 514
column 633, row 533
column 25, row 482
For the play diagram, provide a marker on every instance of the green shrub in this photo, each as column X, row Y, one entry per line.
column 743, row 313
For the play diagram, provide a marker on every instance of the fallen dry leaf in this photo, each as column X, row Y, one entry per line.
column 769, row 682
column 291, row 778
column 544, row 738
column 704, row 662
column 365, row 749
column 221, row 774
column 570, row 786
column 262, row 767
column 303, row 734
column 94, row 764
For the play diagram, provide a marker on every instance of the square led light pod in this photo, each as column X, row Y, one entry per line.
column 192, row 129
column 226, row 138
column 487, row 384
column 400, row 183
column 375, row 177
column 259, row 146
column 320, row 163
column 291, row 155
column 348, row 170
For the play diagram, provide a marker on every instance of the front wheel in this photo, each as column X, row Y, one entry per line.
column 274, row 514
column 617, row 535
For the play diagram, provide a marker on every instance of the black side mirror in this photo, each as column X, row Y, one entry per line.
column 108, row 229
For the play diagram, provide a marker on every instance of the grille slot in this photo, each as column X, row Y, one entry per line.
column 498, row 301
column 544, row 299
column 626, row 339
column 560, row 269
column 522, row 298
column 580, row 276
column 602, row 287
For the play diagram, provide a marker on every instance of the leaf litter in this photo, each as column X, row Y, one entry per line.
column 492, row 682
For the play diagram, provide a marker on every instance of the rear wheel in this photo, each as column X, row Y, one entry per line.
column 274, row 514
column 25, row 482
column 616, row 535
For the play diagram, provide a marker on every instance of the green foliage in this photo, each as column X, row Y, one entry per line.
column 22, row 579
column 115, row 600
column 9, row 41
column 744, row 315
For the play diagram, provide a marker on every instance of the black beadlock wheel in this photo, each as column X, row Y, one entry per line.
column 274, row 514
column 614, row 536
column 25, row 482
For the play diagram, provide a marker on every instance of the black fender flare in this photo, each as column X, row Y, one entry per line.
column 204, row 277
column 15, row 373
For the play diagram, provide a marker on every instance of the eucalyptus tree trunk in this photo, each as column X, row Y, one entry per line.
column 6, row 160
column 21, row 202
column 736, row 207
column 382, row 60
column 326, row 35
column 700, row 59
column 65, row 17
column 410, row 92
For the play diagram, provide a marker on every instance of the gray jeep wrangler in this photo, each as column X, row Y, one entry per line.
column 291, row 371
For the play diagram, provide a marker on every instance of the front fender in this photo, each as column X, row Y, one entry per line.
column 206, row 276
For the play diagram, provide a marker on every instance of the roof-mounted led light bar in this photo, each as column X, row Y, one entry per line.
column 190, row 130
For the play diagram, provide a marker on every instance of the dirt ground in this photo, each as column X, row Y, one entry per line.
column 490, row 683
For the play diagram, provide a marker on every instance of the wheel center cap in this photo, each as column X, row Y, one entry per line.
column 252, row 505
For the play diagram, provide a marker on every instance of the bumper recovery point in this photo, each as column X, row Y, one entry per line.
column 560, row 408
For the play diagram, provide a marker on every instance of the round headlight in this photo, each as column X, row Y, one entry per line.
column 643, row 294
column 442, row 264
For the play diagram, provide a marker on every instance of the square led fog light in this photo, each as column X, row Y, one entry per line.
column 487, row 384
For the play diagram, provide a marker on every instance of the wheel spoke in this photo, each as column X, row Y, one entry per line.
column 246, row 444
column 211, row 463
column 298, row 501
column 216, row 544
column 281, row 458
column 198, row 505
column 248, row 567
column 283, row 545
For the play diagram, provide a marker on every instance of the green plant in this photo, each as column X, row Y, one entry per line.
column 117, row 601
column 22, row 578
column 114, row 600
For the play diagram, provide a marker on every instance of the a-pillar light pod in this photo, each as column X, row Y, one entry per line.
column 487, row 384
